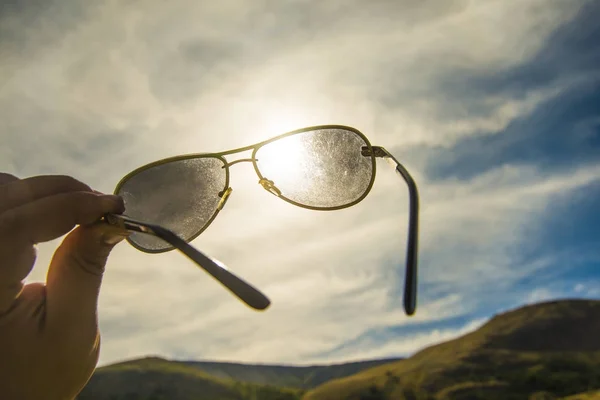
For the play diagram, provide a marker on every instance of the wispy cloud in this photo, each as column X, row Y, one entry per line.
column 476, row 98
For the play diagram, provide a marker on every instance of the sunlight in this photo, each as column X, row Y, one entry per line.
column 284, row 159
column 281, row 120
column 271, row 119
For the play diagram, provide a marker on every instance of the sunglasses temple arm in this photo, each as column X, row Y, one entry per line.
column 412, row 248
column 240, row 288
column 410, row 285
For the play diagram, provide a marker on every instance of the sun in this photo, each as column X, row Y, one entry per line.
column 283, row 160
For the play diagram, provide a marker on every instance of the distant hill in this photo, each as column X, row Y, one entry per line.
column 552, row 347
column 547, row 351
column 291, row 376
column 157, row 379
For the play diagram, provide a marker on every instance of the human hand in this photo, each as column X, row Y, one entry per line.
column 49, row 339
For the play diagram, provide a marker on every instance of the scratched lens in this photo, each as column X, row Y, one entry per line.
column 181, row 195
column 322, row 168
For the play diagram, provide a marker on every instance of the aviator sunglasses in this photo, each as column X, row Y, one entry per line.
column 328, row 167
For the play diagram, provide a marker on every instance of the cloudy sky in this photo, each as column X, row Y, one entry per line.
column 492, row 106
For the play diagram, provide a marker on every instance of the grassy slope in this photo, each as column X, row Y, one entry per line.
column 290, row 376
column 156, row 378
column 547, row 347
column 585, row 396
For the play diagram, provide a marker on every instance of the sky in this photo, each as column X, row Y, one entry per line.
column 492, row 106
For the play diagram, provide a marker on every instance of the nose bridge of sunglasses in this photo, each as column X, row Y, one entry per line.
column 229, row 164
column 224, row 195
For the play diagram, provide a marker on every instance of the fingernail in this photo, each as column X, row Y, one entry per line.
column 114, row 200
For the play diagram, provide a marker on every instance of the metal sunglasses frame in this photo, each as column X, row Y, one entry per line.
column 236, row 285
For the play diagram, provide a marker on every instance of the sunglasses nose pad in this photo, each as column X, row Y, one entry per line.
column 224, row 195
column 269, row 186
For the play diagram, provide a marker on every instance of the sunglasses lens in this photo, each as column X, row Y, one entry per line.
column 321, row 168
column 179, row 195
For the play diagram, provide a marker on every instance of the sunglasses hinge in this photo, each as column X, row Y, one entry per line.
column 375, row 151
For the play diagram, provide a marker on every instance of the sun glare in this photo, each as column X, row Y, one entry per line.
column 280, row 121
column 283, row 159
column 273, row 119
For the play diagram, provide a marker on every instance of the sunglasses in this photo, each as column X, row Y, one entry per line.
column 326, row 167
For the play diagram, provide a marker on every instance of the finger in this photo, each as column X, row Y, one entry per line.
column 75, row 275
column 6, row 178
column 51, row 217
column 13, row 273
column 21, row 191
column 39, row 221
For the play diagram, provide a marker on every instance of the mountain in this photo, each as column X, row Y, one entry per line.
column 287, row 376
column 156, row 378
column 546, row 351
column 550, row 349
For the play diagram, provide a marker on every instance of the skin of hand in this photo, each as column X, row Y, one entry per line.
column 49, row 337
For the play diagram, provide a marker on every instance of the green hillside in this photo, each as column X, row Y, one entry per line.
column 552, row 347
column 595, row 395
column 156, row 379
column 290, row 376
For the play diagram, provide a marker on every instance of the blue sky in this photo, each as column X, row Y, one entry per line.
column 492, row 106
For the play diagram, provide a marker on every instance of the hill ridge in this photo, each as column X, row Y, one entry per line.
column 250, row 364
column 525, row 348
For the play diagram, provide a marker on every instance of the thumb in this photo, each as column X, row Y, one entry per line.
column 75, row 276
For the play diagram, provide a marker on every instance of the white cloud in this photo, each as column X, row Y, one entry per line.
column 405, row 345
column 589, row 289
column 539, row 295
column 128, row 85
